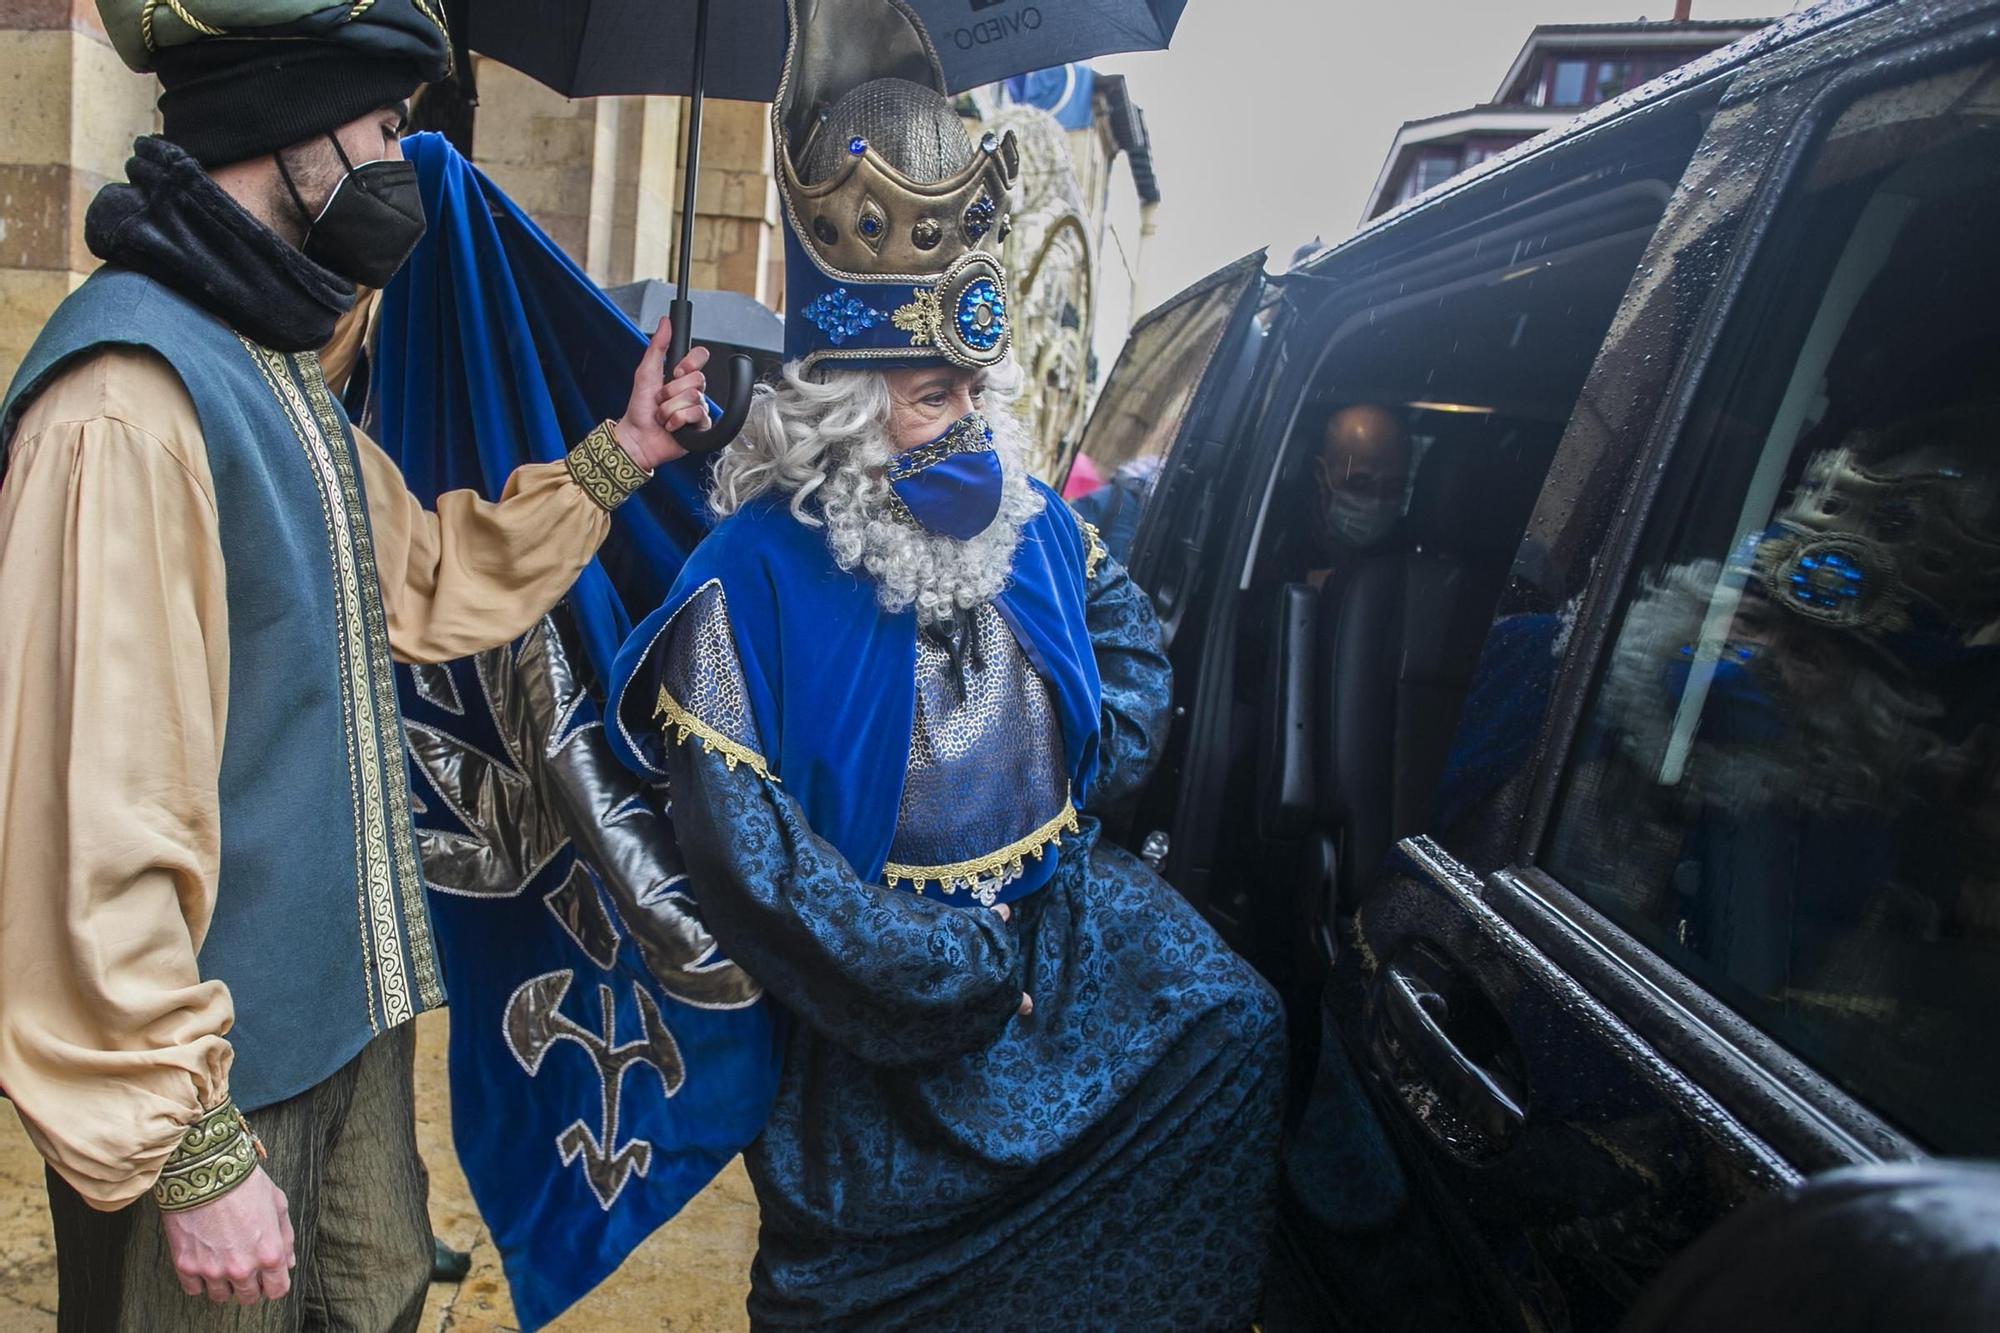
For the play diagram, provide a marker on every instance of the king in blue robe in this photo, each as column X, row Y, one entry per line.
column 1024, row 1085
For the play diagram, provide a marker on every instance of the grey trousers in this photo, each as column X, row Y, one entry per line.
column 345, row 1154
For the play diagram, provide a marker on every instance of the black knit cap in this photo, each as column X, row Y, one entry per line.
column 228, row 101
column 252, row 76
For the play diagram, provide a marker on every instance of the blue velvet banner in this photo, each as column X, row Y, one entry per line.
column 606, row 1061
column 495, row 350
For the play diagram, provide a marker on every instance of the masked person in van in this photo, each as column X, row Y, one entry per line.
column 213, row 950
column 1024, row 1084
column 1363, row 475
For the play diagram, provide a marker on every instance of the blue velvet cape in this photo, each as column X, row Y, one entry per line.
column 832, row 678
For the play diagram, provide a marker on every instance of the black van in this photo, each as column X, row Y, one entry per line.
column 1626, row 839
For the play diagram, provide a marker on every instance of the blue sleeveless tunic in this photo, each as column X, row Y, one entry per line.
column 320, row 929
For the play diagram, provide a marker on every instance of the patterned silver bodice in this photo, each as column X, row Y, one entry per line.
column 986, row 792
column 987, row 770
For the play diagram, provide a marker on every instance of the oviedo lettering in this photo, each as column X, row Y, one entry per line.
column 998, row 29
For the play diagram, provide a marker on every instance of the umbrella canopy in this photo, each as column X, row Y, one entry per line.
column 595, row 48
column 729, row 318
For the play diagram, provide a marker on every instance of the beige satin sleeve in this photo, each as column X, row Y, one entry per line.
column 472, row 575
column 114, row 668
column 475, row 574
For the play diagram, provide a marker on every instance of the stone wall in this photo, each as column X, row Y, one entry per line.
column 603, row 177
column 69, row 110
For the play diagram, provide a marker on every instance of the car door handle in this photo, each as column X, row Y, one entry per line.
column 1420, row 1016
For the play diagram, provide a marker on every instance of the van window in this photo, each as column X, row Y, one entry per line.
column 1144, row 404
column 1786, row 782
column 1140, row 410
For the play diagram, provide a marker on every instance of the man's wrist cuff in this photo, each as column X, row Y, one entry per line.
column 215, row 1155
column 605, row 471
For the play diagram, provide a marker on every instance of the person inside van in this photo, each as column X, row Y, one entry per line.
column 1363, row 475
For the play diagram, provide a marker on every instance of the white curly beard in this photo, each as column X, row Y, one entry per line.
column 912, row 567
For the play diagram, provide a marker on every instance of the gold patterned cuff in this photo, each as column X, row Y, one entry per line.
column 605, row 471
column 216, row 1154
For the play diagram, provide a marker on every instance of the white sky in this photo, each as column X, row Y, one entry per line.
column 1270, row 118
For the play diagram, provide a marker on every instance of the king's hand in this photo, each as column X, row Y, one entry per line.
column 660, row 406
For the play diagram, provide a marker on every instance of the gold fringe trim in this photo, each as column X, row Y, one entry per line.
column 1094, row 549
column 1009, row 859
column 684, row 724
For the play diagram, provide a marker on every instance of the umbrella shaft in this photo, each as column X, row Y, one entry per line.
column 691, row 172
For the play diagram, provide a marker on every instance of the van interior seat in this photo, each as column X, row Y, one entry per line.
column 1398, row 636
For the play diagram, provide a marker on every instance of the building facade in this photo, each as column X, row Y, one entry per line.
column 1085, row 208
column 601, row 175
column 1562, row 70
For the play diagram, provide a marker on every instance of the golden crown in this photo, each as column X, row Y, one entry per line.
column 894, row 219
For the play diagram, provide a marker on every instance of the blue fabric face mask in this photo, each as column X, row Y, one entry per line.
column 950, row 486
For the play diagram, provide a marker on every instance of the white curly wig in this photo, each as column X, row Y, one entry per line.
column 823, row 443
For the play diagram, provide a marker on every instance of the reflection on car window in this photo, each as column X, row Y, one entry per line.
column 1139, row 414
column 1787, row 781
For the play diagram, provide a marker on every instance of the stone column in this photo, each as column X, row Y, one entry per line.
column 648, row 192
column 600, row 175
column 541, row 148
column 736, row 239
column 69, row 110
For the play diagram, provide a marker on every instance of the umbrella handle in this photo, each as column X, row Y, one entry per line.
column 735, row 403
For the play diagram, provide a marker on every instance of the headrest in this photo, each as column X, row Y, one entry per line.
column 1895, row 1244
column 1473, row 498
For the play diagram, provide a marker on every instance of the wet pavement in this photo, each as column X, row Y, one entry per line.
column 690, row 1277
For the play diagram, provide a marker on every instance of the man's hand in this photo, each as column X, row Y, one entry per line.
column 661, row 406
column 238, row 1248
column 1006, row 913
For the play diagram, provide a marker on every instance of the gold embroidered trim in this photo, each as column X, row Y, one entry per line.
column 373, row 877
column 1009, row 860
column 1094, row 549
column 180, row 12
column 215, row 1155
column 683, row 724
column 389, row 722
column 450, row 52
column 922, row 318
column 606, row 472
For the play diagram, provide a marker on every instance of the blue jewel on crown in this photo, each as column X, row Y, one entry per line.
column 981, row 316
column 979, row 218
column 1826, row 579
column 840, row 316
column 857, row 146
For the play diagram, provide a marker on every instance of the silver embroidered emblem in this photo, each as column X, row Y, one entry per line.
column 535, row 1023
column 555, row 786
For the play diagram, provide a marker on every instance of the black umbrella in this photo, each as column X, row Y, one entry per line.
column 597, row 48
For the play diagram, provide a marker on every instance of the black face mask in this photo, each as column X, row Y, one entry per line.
column 371, row 222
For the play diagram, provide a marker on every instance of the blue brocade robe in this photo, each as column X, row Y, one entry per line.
column 932, row 1159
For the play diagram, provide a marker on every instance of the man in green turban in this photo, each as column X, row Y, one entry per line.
column 215, row 923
